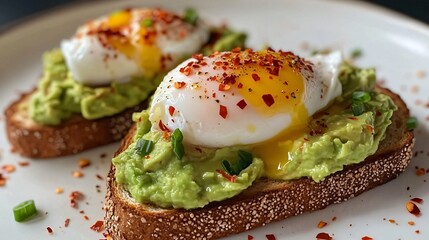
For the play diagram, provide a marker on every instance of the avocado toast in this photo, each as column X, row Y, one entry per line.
column 131, row 213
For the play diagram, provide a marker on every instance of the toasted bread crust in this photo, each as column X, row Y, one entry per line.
column 265, row 201
column 74, row 135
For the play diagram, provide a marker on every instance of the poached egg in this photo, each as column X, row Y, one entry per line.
column 245, row 98
column 131, row 42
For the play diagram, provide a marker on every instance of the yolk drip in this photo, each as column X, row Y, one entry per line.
column 287, row 91
column 140, row 46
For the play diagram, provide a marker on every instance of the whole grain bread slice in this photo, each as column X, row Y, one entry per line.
column 74, row 135
column 265, row 201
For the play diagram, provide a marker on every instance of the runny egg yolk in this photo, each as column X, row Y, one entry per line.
column 139, row 46
column 282, row 90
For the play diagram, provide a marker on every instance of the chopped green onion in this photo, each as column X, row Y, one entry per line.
column 361, row 96
column 227, row 167
column 176, row 140
column 358, row 108
column 24, row 210
column 191, row 16
column 356, row 53
column 147, row 22
column 245, row 159
column 144, row 147
column 411, row 123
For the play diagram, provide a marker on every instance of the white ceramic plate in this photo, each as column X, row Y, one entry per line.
column 397, row 46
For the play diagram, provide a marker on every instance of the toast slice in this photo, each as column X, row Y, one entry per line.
column 265, row 201
column 77, row 134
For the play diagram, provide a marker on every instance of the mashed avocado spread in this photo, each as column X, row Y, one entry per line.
column 337, row 138
column 58, row 95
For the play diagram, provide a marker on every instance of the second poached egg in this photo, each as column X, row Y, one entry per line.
column 131, row 42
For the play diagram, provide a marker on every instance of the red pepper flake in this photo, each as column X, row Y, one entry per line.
column 166, row 135
column 2, row 180
column 240, row 85
column 226, row 175
column 250, row 237
column 334, row 218
column 186, row 70
column 323, row 236
column 420, row 172
column 179, row 85
column 67, row 222
column 256, row 77
column 367, row 238
column 9, row 168
column 83, row 162
column 171, row 110
column 77, row 174
column 23, row 164
column 270, row 237
column 224, row 87
column 242, row 104
column 417, row 231
column 86, row 217
column 199, row 56
column 98, row 226
column 370, row 128
column 75, row 195
column 321, row 224
column 411, row 223
column 417, row 200
column 49, row 230
column 353, row 118
column 99, row 177
column 163, row 127
column 392, row 221
column 412, row 208
column 268, row 99
column 223, row 111
column 236, row 50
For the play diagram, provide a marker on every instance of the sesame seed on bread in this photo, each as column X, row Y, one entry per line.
column 265, row 201
column 76, row 134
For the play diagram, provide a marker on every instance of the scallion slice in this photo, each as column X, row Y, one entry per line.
column 146, row 22
column 227, row 167
column 361, row 96
column 191, row 16
column 358, row 108
column 176, row 141
column 245, row 159
column 411, row 123
column 356, row 53
column 24, row 210
column 144, row 147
